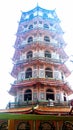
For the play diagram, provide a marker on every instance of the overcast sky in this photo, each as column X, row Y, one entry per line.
column 10, row 13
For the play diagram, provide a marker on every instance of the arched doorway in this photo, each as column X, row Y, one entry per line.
column 28, row 95
column 49, row 94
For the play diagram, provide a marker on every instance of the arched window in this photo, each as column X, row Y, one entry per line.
column 47, row 54
column 28, row 95
column 28, row 73
column 29, row 54
column 48, row 73
column 46, row 38
column 31, row 27
column 49, row 94
column 46, row 26
column 23, row 126
column 30, row 39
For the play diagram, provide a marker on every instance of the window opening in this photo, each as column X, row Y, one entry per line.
column 49, row 94
column 29, row 54
column 30, row 39
column 47, row 54
column 46, row 38
column 28, row 95
column 31, row 27
column 48, row 73
column 28, row 73
column 46, row 26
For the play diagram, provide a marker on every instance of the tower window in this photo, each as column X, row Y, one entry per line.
column 48, row 73
column 46, row 38
column 28, row 73
column 47, row 54
column 35, row 22
column 40, row 22
column 49, row 94
column 46, row 26
column 28, row 95
column 29, row 54
column 30, row 26
column 30, row 39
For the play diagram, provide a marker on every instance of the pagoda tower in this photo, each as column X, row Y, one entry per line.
column 40, row 88
column 39, row 69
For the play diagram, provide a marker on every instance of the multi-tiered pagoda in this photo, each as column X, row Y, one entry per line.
column 40, row 85
column 39, row 69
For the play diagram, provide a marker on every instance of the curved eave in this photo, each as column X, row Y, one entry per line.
column 52, row 110
column 67, row 89
column 62, row 52
column 64, row 68
column 39, row 113
column 25, row 110
column 42, row 81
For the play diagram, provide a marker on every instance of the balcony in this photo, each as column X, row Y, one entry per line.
column 44, row 103
column 38, row 58
column 38, row 40
column 31, row 81
column 41, row 27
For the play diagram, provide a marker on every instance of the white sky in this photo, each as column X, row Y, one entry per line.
column 10, row 13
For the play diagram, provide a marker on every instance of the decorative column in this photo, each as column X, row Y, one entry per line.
column 11, row 125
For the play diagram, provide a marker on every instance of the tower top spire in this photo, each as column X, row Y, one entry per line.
column 37, row 4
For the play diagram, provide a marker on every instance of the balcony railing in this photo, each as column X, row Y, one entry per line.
column 26, row 43
column 39, row 26
column 45, row 59
column 38, row 102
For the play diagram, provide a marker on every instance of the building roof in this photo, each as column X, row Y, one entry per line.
column 41, row 110
column 30, row 14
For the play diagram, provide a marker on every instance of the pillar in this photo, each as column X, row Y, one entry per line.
column 11, row 125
